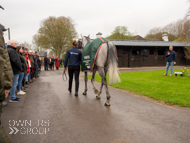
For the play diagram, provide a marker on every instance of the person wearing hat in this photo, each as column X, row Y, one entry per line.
column 6, row 76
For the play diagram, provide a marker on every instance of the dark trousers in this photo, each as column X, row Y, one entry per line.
column 46, row 67
column 74, row 70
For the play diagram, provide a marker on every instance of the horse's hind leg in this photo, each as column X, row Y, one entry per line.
column 85, row 80
column 92, row 80
column 102, row 73
column 98, row 95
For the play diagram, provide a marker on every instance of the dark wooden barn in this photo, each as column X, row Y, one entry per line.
column 139, row 53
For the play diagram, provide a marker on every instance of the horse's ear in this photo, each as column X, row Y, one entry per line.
column 81, row 36
column 89, row 36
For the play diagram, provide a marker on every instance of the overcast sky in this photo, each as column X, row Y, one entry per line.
column 23, row 17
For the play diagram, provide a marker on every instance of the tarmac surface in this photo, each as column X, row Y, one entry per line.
column 50, row 114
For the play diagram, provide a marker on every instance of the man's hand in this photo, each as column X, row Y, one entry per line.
column 65, row 69
column 174, row 63
column 7, row 92
column 168, row 53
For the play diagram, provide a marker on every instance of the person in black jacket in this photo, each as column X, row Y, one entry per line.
column 73, row 59
column 46, row 61
column 171, row 60
column 16, row 67
column 19, row 50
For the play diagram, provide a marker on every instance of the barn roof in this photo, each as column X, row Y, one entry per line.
column 147, row 43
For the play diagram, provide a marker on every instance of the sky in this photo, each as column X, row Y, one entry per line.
column 24, row 17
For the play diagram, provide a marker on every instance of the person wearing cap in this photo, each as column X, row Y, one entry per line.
column 6, row 76
column 16, row 66
column 5, row 80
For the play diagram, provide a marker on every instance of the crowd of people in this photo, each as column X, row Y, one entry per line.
column 51, row 62
column 26, row 66
column 19, row 67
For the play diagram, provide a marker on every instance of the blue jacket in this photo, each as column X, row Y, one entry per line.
column 171, row 57
column 74, row 57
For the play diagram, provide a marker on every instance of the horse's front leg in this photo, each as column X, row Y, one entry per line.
column 85, row 80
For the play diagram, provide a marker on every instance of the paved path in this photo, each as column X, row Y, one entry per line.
column 49, row 108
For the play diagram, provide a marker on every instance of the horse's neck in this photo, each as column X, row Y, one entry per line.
column 86, row 43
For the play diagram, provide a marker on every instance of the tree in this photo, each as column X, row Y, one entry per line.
column 55, row 34
column 121, row 33
column 26, row 45
column 158, row 36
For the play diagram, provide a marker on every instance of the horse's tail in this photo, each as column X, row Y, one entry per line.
column 113, row 65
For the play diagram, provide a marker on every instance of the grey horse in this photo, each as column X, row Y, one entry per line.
column 106, row 60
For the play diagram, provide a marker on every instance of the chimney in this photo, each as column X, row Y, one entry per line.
column 165, row 37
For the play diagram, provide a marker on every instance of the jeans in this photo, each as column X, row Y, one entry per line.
column 21, row 76
column 33, row 74
column 27, row 77
column 14, row 85
column 168, row 65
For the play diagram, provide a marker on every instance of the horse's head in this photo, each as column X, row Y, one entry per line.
column 85, row 40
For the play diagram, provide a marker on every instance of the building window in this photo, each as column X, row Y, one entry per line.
column 135, row 52
column 161, row 52
column 151, row 51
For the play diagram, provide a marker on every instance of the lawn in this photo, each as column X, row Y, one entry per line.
column 171, row 90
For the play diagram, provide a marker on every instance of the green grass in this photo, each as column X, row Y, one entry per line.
column 172, row 90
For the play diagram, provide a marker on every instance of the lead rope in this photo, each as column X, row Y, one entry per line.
column 64, row 76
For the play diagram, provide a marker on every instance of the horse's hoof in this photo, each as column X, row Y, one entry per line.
column 107, row 104
column 98, row 97
column 84, row 93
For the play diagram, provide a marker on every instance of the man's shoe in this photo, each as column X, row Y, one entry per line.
column 14, row 100
column 4, row 103
column 18, row 98
column 76, row 94
column 21, row 92
column 69, row 90
column 25, row 86
column 27, row 83
column 34, row 79
column 30, row 81
column 165, row 75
